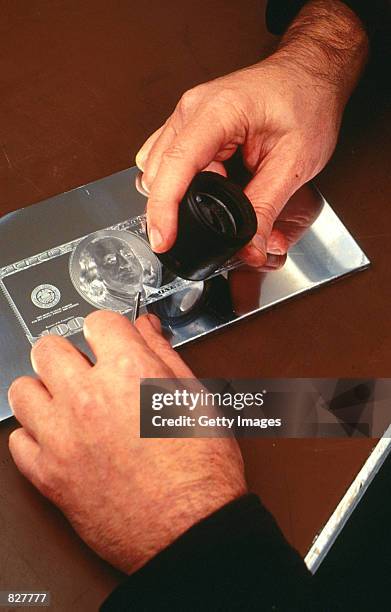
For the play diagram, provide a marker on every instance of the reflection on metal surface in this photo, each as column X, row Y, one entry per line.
column 188, row 313
column 104, row 270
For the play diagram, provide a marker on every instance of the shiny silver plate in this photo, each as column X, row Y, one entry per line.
column 321, row 250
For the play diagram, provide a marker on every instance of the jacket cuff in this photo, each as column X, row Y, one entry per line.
column 235, row 559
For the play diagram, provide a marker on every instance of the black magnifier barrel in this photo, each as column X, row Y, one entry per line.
column 215, row 220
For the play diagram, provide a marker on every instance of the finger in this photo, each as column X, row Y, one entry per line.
column 297, row 216
column 277, row 243
column 191, row 151
column 250, row 255
column 163, row 141
column 161, row 144
column 269, row 191
column 143, row 153
column 217, row 166
column 140, row 185
column 25, row 452
column 274, row 262
column 150, row 329
column 29, row 400
column 166, row 138
column 112, row 336
column 58, row 363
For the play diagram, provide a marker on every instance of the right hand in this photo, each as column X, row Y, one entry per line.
column 285, row 119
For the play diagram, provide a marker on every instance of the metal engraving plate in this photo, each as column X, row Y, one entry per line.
column 40, row 292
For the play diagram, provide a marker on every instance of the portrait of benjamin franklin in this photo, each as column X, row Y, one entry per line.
column 110, row 267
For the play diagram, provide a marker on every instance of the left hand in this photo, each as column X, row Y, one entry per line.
column 80, row 445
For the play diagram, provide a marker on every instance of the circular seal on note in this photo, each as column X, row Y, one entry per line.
column 109, row 267
column 45, row 296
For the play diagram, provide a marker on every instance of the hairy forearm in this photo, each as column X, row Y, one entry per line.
column 329, row 42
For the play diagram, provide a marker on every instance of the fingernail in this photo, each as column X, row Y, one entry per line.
column 155, row 238
column 86, row 332
column 273, row 260
column 274, row 250
column 155, row 322
column 139, row 161
column 144, row 185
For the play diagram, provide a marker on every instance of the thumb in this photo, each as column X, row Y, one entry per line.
column 195, row 146
column 268, row 191
column 25, row 452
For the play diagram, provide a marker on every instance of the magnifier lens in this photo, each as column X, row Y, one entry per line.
column 215, row 220
column 216, row 214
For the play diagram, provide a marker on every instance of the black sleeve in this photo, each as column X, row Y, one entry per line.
column 280, row 13
column 235, row 559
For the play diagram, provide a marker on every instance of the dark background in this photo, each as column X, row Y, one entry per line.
column 82, row 85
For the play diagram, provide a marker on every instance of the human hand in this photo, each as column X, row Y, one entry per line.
column 79, row 444
column 283, row 112
column 295, row 219
column 286, row 135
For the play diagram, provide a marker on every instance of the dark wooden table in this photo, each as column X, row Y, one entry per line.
column 83, row 84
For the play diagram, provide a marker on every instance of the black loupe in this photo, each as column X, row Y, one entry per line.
column 215, row 220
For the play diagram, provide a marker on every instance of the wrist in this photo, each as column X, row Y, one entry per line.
column 327, row 42
column 186, row 502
